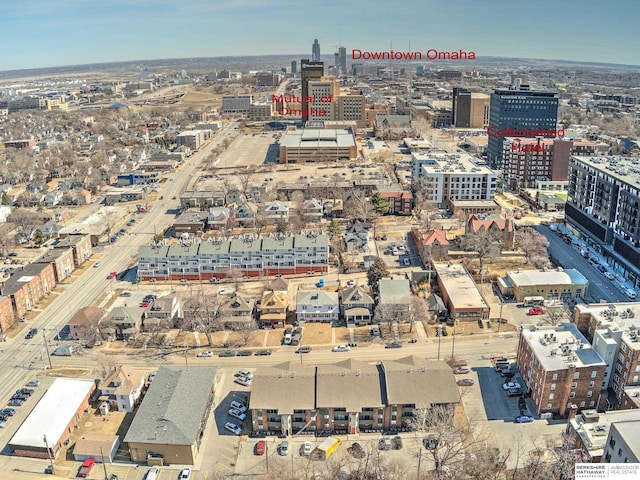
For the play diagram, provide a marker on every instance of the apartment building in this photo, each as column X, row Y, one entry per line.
column 261, row 111
column 291, row 398
column 560, row 368
column 62, row 262
column 236, row 103
column 613, row 330
column 528, row 161
column 7, row 317
column 400, row 201
column 278, row 254
column 603, row 209
column 519, row 109
column 80, row 244
column 623, row 444
column 28, row 286
column 194, row 139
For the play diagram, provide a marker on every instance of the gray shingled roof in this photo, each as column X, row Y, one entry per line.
column 172, row 410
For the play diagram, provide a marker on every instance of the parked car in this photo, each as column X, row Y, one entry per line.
column 233, row 428
column 524, row 419
column 244, row 353
column 263, row 352
column 536, row 311
column 227, row 353
column 15, row 403
column 466, row 382
column 396, row 442
column 185, row 474
column 509, row 385
column 25, row 391
column 244, row 381
column 261, row 447
column 609, row 275
column 306, row 448
column 461, row 370
column 125, row 294
column 86, row 467
column 237, row 414
column 305, row 349
column 205, row 354
column 393, row 345
column 375, row 331
column 238, row 406
column 283, row 448
column 340, row 348
column 10, row 412
column 357, row 451
column 244, row 373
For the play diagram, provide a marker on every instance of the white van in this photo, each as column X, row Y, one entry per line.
column 630, row 293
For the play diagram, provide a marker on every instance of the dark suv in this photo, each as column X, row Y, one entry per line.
column 32, row 333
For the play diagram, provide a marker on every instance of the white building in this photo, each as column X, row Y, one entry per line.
column 236, row 103
column 317, row 306
column 452, row 176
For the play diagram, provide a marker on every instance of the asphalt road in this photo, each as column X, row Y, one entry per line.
column 568, row 256
column 19, row 356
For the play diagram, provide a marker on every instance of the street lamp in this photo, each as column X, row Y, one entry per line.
column 44, row 437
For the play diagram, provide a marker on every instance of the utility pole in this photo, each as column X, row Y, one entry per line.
column 500, row 319
column 453, row 344
column 104, row 465
column 44, row 437
column 46, row 346
column 439, row 331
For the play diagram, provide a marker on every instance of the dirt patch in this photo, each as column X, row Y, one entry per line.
column 274, row 337
column 343, row 335
column 68, row 372
column 317, row 334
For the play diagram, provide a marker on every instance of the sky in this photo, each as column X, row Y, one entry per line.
column 47, row 33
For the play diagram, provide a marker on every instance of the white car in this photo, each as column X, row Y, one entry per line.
column 244, row 381
column 244, row 373
column 510, row 385
column 233, row 428
column 237, row 414
column 340, row 348
column 306, row 448
column 185, row 474
column 609, row 275
column 206, row 354
column 238, row 406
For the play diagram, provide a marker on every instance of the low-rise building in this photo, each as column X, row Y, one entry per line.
column 432, row 245
column 347, row 397
column 122, row 389
column 273, row 309
column 62, row 261
column 237, row 311
column 502, row 227
column 126, row 321
column 317, row 306
column 203, row 199
column 561, row 284
column 560, row 368
column 623, row 443
column 460, row 293
column 356, row 306
column 28, row 286
column 169, row 424
column 85, row 323
column 400, row 201
column 163, row 313
column 80, row 244
column 395, row 294
column 191, row 222
column 7, row 316
column 318, row 145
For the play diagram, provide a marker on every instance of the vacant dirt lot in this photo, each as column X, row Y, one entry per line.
column 317, row 333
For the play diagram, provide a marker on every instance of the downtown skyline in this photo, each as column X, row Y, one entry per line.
column 49, row 33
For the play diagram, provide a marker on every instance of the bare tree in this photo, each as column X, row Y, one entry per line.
column 246, row 180
column 558, row 312
column 358, row 207
column 389, row 315
column 110, row 218
column 26, row 222
column 246, row 331
column 261, row 221
column 201, row 314
column 7, row 242
column 418, row 310
column 486, row 243
column 532, row 243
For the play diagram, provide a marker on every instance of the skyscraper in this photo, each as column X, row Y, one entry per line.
column 342, row 54
column 315, row 51
column 294, row 67
column 309, row 71
column 523, row 110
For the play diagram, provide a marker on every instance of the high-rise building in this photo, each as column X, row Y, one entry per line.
column 324, row 93
column 315, row 51
column 309, row 71
column 294, row 67
column 519, row 113
column 470, row 110
column 351, row 106
column 342, row 55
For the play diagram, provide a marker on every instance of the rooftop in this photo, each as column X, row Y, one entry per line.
column 624, row 169
column 557, row 347
column 440, row 162
column 316, row 137
column 569, row 276
column 394, row 291
column 461, row 289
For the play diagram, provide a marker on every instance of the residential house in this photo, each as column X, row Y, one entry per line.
column 312, row 210
column 276, row 210
column 245, row 214
column 432, row 245
column 317, row 306
column 218, row 218
column 50, row 229
column 52, row 199
column 235, row 196
column 395, row 294
column 122, row 388
column 125, row 321
column 237, row 311
column 192, row 221
column 163, row 313
column 357, row 236
column 202, row 199
column 273, row 309
column 85, row 323
column 356, row 306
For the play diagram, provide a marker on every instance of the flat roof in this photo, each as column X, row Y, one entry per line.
column 52, row 414
column 317, row 137
column 624, row 169
column 462, row 290
column 557, row 347
column 569, row 276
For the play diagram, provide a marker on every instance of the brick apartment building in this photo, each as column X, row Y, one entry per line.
column 560, row 368
column 62, row 261
column 28, row 286
column 432, row 245
column 460, row 293
column 400, row 201
column 81, row 246
column 614, row 334
column 7, row 317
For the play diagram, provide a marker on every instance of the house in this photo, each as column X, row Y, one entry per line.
column 280, row 284
column 432, row 245
column 164, row 313
column 356, row 306
column 504, row 228
column 52, row 199
column 237, row 311
column 273, row 309
column 276, row 210
column 245, row 214
column 192, row 221
column 85, row 321
column 122, row 388
column 125, row 321
column 317, row 306
column 357, row 236
column 169, row 424
column 218, row 218
column 235, row 196
column 51, row 229
column 436, row 306
column 395, row 294
column 312, row 210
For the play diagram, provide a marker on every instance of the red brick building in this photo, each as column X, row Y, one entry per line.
column 62, row 261
column 81, row 245
column 28, row 286
column 432, row 245
column 7, row 318
column 400, row 202
column 560, row 368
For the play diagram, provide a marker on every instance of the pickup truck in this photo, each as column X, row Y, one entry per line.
column 86, row 467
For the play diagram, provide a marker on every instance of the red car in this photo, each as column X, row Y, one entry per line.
column 261, row 447
column 112, row 275
column 85, row 468
column 536, row 311
column 144, row 304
